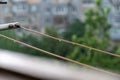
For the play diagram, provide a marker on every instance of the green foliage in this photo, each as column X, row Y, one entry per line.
column 76, row 28
column 6, row 44
column 41, row 42
column 96, row 19
column 96, row 35
column 93, row 32
column 53, row 45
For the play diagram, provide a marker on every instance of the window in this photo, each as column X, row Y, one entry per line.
column 60, row 9
column 87, row 1
column 54, row 1
column 60, row 20
column 117, row 18
column 48, row 9
column 63, row 1
column 33, row 8
column 73, row 8
column 6, row 9
column 34, row 1
column 60, row 1
column 48, row 20
column 47, row 1
column 18, row 8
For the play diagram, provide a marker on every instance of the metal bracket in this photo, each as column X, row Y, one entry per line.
column 9, row 26
column 3, row 2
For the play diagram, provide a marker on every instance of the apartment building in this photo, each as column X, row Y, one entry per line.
column 59, row 13
column 84, row 6
column 6, row 13
column 1, row 14
column 20, row 10
column 38, row 14
column 34, row 14
column 113, row 18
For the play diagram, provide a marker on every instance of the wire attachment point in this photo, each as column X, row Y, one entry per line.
column 9, row 26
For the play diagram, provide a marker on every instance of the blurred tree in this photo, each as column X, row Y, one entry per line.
column 37, row 41
column 97, row 36
column 7, row 44
column 55, row 46
column 76, row 28
column 96, row 21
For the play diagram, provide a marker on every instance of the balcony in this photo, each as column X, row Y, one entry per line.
column 88, row 3
column 60, row 10
column 115, row 34
column 20, row 10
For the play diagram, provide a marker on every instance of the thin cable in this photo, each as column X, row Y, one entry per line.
column 58, row 56
column 70, row 42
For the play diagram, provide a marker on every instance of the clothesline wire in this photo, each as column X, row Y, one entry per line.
column 70, row 42
column 58, row 56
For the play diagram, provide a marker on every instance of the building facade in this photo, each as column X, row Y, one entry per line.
column 59, row 13
column 113, row 18
column 37, row 14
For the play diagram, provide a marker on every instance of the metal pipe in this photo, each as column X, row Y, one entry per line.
column 9, row 26
column 1, row 2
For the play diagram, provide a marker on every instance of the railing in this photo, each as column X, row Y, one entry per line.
column 17, row 25
column 17, row 66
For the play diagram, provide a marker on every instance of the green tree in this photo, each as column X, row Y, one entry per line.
column 55, row 46
column 41, row 42
column 96, row 19
column 97, row 36
column 7, row 44
column 76, row 28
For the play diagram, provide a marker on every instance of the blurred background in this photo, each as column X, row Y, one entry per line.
column 94, row 23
